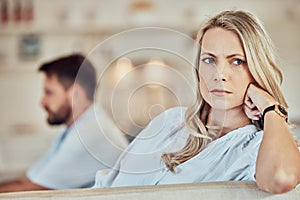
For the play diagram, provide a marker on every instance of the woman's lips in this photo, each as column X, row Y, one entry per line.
column 220, row 92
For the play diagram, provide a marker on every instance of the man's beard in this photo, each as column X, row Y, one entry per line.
column 61, row 116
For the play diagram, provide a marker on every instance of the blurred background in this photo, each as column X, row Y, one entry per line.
column 34, row 31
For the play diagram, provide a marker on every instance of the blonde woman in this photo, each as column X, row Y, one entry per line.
column 236, row 130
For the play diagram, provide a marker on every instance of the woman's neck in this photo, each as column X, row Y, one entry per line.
column 227, row 120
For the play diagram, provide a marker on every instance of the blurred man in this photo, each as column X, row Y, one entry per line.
column 90, row 141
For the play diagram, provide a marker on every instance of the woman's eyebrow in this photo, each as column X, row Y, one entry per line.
column 207, row 53
column 229, row 56
column 234, row 55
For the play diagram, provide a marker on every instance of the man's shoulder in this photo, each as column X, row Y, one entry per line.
column 96, row 125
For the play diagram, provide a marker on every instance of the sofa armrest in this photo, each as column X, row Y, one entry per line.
column 217, row 190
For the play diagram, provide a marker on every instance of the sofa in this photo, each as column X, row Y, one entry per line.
column 218, row 190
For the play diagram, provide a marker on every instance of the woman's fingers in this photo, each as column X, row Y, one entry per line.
column 252, row 113
column 250, row 108
column 249, row 102
column 258, row 97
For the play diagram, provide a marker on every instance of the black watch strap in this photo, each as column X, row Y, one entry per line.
column 270, row 108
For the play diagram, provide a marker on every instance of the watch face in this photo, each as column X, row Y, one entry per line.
column 282, row 110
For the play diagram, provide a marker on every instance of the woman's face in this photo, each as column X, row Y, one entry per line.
column 223, row 70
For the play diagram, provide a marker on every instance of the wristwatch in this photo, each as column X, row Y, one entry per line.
column 279, row 109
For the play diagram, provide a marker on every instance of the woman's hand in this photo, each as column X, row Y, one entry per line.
column 256, row 101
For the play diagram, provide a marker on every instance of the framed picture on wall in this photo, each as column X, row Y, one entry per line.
column 29, row 47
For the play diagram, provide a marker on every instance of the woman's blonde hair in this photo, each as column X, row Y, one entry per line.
column 261, row 60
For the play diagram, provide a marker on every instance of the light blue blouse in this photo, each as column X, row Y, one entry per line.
column 231, row 157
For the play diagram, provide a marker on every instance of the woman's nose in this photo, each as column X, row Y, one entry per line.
column 221, row 73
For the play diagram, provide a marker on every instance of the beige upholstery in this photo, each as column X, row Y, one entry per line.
column 221, row 190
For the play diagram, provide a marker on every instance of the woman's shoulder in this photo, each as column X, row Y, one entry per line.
column 161, row 129
column 248, row 137
column 177, row 112
column 168, row 118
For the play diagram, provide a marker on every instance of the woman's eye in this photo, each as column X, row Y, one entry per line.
column 238, row 62
column 208, row 60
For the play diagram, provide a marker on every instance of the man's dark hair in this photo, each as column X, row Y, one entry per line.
column 71, row 68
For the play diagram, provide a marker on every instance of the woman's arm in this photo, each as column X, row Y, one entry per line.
column 278, row 161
